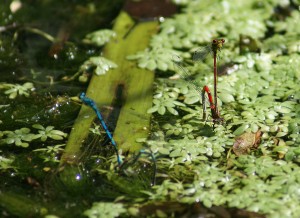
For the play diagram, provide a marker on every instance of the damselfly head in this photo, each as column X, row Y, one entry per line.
column 82, row 95
column 218, row 41
column 217, row 44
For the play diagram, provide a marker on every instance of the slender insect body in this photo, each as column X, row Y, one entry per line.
column 214, row 112
column 199, row 55
column 93, row 105
column 122, row 165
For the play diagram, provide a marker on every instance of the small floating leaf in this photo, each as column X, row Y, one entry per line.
column 191, row 99
column 161, row 110
column 104, row 209
column 151, row 65
column 102, row 65
column 241, row 129
column 152, row 110
column 100, row 37
column 254, row 127
column 281, row 109
column 226, row 97
column 271, row 115
column 172, row 110
column 281, row 148
column 281, row 134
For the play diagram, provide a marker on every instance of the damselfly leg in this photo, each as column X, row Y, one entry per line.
column 130, row 162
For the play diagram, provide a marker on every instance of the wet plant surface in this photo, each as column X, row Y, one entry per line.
column 248, row 167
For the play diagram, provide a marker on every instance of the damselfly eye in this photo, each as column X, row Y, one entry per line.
column 223, row 40
column 215, row 41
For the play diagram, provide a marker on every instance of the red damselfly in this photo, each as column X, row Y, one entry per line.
column 213, row 48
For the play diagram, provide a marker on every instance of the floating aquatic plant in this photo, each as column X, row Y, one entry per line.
column 16, row 89
column 260, row 95
column 104, row 209
column 165, row 101
column 101, row 65
column 21, row 137
column 99, row 37
column 6, row 162
column 158, row 58
column 50, row 153
column 49, row 131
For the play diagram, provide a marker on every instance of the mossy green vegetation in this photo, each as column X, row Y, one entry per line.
column 196, row 167
column 259, row 93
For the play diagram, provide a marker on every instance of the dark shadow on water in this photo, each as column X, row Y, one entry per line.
column 206, row 130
